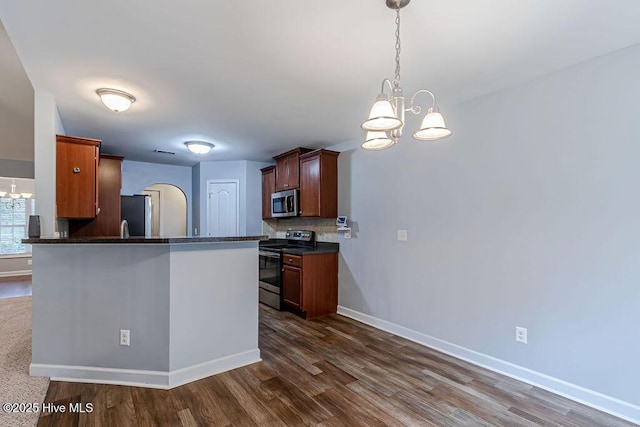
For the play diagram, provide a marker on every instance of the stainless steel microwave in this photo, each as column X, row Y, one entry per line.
column 284, row 204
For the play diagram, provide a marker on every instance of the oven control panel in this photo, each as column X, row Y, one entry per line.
column 301, row 235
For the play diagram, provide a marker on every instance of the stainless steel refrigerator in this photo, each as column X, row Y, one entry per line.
column 137, row 210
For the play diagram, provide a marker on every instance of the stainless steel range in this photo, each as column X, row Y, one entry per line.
column 270, row 263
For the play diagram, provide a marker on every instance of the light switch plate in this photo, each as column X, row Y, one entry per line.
column 402, row 235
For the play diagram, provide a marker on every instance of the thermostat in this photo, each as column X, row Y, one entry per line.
column 341, row 221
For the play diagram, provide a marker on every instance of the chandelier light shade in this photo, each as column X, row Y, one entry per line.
column 386, row 119
column 199, row 147
column 377, row 140
column 116, row 100
column 433, row 127
column 382, row 117
column 26, row 195
column 3, row 193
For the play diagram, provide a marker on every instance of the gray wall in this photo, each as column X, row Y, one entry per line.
column 78, row 325
column 195, row 186
column 250, row 191
column 16, row 112
column 254, row 197
column 528, row 215
column 16, row 168
column 214, row 301
column 12, row 265
column 136, row 176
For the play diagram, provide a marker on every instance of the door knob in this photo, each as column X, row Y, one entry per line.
column 76, row 170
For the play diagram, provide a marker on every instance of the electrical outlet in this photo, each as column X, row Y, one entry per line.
column 29, row 262
column 125, row 336
column 402, row 235
column 521, row 334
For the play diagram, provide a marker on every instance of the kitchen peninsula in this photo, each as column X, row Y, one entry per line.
column 150, row 312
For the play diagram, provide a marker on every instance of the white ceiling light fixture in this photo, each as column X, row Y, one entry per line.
column 386, row 119
column 116, row 100
column 199, row 147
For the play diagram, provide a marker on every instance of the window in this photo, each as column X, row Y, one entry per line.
column 14, row 219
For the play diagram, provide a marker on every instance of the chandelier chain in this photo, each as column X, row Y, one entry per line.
column 396, row 79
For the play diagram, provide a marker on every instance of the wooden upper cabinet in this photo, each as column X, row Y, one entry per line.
column 107, row 221
column 288, row 169
column 319, row 184
column 268, row 187
column 76, row 177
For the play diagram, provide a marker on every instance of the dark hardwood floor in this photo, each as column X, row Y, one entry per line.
column 11, row 287
column 332, row 371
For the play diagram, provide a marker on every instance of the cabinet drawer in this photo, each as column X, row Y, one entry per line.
column 294, row 260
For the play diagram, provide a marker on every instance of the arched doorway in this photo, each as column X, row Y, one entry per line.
column 169, row 210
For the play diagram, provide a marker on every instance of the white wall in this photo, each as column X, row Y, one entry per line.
column 528, row 215
column 136, row 176
column 47, row 124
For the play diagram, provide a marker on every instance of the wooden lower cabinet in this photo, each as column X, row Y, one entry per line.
column 292, row 286
column 310, row 283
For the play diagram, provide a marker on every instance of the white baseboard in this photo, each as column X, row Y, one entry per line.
column 594, row 399
column 141, row 378
column 15, row 273
column 213, row 367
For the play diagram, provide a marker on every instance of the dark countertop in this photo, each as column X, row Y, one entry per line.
column 321, row 247
column 143, row 240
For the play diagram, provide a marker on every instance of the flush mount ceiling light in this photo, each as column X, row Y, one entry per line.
column 116, row 100
column 199, row 147
column 386, row 119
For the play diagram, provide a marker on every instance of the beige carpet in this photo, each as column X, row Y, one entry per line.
column 15, row 356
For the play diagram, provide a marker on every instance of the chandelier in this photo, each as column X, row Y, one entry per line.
column 15, row 195
column 386, row 119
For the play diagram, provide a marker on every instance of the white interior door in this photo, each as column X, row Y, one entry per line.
column 223, row 208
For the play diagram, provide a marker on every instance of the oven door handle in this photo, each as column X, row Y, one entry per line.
column 268, row 254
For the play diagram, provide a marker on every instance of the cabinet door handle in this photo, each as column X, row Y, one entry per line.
column 76, row 170
column 290, row 259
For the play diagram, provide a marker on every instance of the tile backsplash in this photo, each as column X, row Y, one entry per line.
column 325, row 228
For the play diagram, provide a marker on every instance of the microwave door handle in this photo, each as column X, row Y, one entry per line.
column 289, row 203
